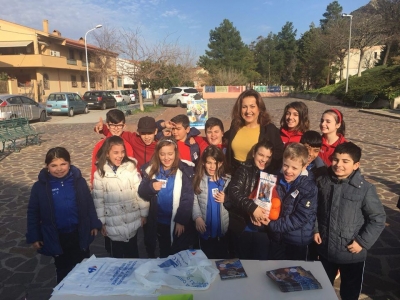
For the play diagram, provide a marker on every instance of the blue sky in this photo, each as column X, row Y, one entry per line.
column 186, row 22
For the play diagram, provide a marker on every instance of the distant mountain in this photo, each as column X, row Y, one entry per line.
column 369, row 8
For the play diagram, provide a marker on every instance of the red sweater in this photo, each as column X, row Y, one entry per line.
column 290, row 136
column 129, row 153
column 203, row 144
column 327, row 150
column 142, row 152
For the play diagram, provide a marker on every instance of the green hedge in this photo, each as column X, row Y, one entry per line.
column 382, row 81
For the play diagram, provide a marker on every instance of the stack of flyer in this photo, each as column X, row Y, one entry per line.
column 293, row 279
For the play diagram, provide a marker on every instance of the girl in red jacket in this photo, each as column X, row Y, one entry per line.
column 294, row 122
column 332, row 127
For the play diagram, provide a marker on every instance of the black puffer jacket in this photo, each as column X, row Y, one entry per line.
column 348, row 210
column 268, row 132
column 240, row 207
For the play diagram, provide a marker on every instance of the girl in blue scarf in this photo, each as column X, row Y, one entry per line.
column 211, row 218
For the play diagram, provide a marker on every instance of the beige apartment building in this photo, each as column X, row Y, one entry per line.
column 371, row 57
column 39, row 62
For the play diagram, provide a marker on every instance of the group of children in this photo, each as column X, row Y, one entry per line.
column 180, row 190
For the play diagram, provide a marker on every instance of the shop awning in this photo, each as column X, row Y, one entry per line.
column 14, row 44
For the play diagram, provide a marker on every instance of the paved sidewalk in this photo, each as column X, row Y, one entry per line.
column 390, row 113
column 24, row 272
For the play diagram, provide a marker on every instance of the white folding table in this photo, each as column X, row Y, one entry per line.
column 256, row 286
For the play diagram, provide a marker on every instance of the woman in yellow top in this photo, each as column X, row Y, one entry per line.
column 251, row 123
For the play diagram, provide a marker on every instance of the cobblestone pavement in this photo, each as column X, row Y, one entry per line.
column 23, row 273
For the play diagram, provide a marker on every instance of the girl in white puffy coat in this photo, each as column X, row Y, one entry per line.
column 117, row 202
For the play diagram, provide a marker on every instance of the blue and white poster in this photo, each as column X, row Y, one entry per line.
column 197, row 111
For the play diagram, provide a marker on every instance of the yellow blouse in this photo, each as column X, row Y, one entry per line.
column 244, row 141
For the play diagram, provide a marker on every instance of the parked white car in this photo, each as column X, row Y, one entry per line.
column 121, row 95
column 177, row 96
column 134, row 95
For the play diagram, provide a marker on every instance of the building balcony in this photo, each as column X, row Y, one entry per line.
column 42, row 61
column 71, row 61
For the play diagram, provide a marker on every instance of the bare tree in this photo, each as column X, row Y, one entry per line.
column 389, row 25
column 228, row 76
column 369, row 61
column 186, row 60
column 334, row 40
column 108, row 41
column 147, row 59
column 366, row 34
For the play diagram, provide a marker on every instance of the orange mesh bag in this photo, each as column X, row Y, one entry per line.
column 275, row 205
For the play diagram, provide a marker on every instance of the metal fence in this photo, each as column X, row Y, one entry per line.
column 16, row 111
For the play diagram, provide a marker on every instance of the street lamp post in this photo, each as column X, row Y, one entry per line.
column 87, row 63
column 348, row 54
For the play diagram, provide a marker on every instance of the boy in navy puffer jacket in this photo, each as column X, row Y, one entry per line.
column 292, row 232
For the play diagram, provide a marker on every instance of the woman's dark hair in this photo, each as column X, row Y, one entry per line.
column 57, row 152
column 102, row 154
column 337, row 114
column 217, row 154
column 155, row 159
column 302, row 110
column 237, row 120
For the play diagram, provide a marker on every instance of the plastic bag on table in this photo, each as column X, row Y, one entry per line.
column 186, row 270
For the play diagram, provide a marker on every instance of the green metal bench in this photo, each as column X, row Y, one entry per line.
column 123, row 106
column 314, row 96
column 3, row 138
column 22, row 126
column 12, row 130
column 366, row 100
column 8, row 134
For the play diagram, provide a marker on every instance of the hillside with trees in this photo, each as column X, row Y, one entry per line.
column 312, row 61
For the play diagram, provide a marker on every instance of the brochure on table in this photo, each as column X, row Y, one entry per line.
column 230, row 268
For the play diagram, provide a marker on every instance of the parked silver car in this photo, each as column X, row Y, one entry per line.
column 177, row 96
column 18, row 106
